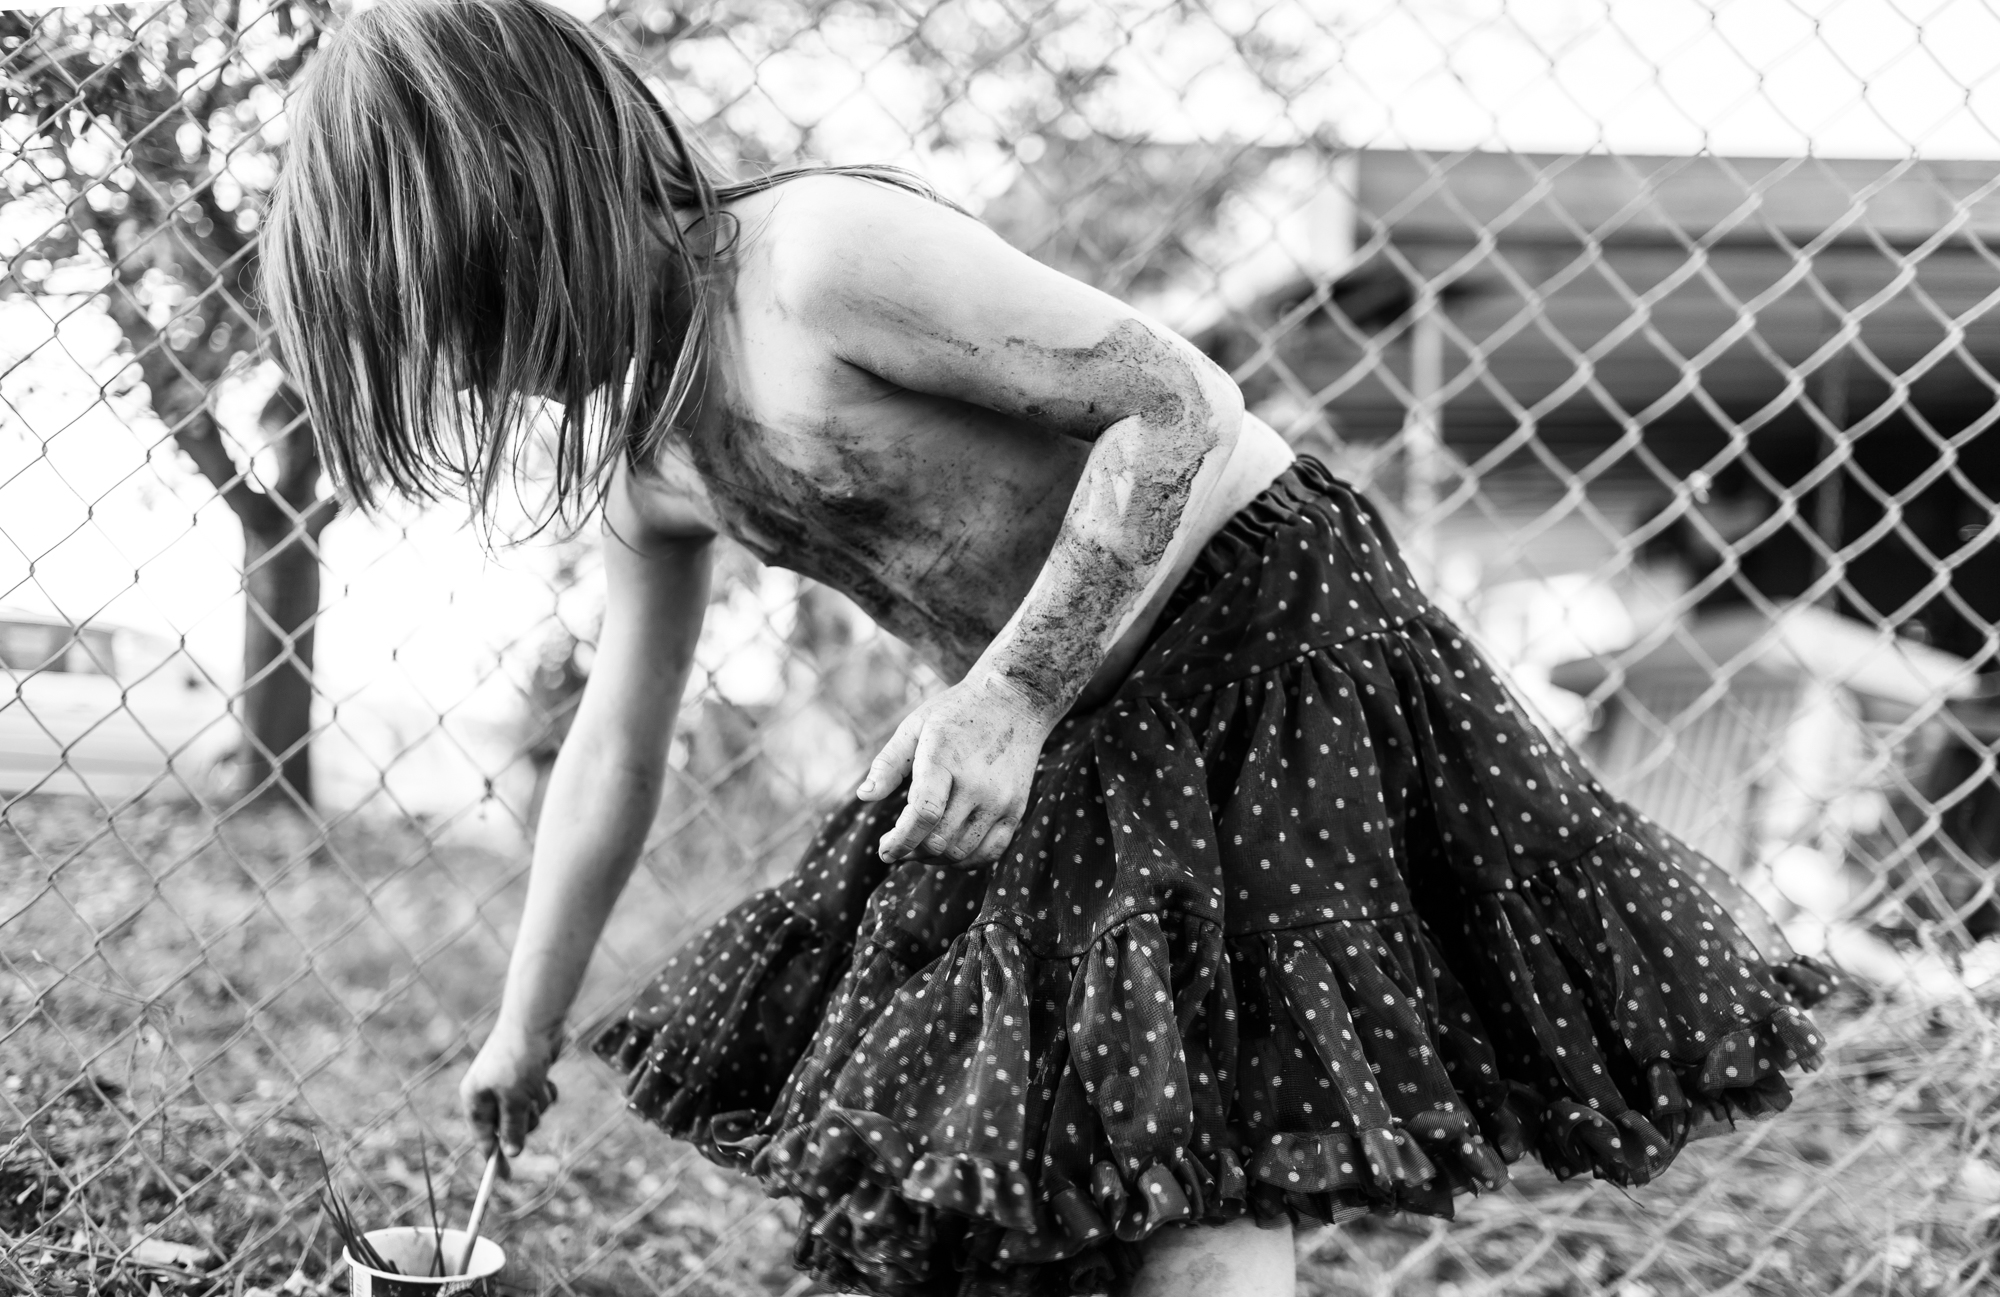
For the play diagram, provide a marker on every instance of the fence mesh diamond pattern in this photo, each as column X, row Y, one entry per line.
column 1665, row 332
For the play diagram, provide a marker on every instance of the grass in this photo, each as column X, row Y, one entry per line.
column 185, row 1006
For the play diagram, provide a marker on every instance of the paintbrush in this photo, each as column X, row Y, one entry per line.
column 478, row 1211
column 430, row 1193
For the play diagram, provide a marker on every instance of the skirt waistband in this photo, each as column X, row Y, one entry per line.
column 1306, row 564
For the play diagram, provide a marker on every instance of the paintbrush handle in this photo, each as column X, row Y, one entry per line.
column 479, row 1202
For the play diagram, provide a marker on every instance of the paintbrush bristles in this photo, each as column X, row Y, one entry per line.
column 351, row 1235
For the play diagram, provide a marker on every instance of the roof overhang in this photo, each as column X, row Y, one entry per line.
column 1595, row 296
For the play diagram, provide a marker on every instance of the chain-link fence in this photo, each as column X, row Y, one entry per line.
column 1665, row 332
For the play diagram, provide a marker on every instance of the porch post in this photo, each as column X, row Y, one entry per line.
column 1423, row 429
column 1829, row 393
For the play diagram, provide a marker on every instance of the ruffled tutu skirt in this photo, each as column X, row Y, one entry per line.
column 1309, row 920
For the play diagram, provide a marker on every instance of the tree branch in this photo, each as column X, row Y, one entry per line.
column 189, row 421
column 317, row 515
column 201, row 441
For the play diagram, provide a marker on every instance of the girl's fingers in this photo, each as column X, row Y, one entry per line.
column 949, row 838
column 892, row 764
column 995, row 842
column 930, row 794
column 517, row 1119
column 970, row 833
column 483, row 1111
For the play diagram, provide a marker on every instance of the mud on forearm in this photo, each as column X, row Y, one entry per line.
column 1121, row 524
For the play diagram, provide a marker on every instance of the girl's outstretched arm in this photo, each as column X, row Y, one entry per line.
column 930, row 300
column 601, row 799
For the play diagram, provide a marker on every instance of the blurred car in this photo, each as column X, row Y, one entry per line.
column 106, row 710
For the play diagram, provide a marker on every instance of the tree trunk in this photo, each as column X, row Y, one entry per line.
column 281, row 577
column 281, row 589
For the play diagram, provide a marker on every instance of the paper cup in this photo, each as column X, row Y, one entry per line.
column 409, row 1249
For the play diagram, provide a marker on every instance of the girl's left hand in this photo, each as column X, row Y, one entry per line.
column 507, row 1088
column 970, row 755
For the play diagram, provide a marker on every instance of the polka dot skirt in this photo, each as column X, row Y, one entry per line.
column 1308, row 921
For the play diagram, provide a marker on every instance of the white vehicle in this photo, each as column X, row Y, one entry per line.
column 105, row 710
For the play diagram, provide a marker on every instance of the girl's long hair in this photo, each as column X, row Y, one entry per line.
column 483, row 201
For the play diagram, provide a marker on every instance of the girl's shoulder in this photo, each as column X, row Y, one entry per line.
column 812, row 229
column 810, row 199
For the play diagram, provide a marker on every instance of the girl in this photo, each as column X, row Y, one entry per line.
column 1225, row 888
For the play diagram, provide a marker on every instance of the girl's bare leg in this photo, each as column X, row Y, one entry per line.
column 1240, row 1259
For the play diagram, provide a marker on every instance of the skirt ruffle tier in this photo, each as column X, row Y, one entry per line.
column 1308, row 921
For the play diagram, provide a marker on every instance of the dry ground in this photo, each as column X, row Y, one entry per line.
column 186, row 1007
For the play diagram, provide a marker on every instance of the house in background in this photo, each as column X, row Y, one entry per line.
column 1573, row 338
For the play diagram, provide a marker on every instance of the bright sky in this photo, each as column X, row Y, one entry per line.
column 1837, row 77
column 1834, row 77
column 99, row 517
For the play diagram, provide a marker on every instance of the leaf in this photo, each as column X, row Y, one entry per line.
column 171, row 1256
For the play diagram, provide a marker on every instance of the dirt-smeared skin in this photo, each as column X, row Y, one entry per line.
column 1131, row 368
column 847, row 521
column 843, row 516
column 928, row 535
column 1128, row 506
column 1000, row 465
column 969, row 752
